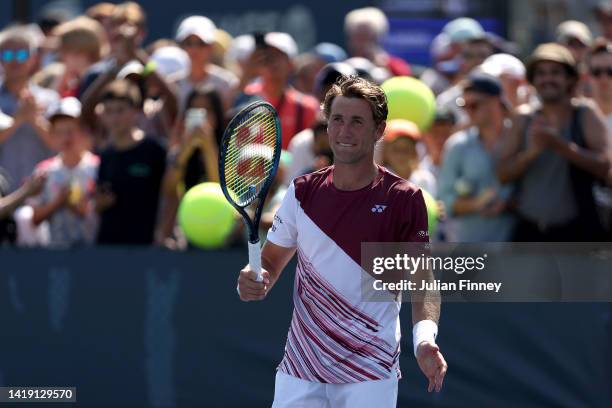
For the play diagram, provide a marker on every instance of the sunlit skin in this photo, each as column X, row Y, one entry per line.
column 401, row 156
column 199, row 53
column 68, row 135
column 274, row 69
column 602, row 83
column 352, row 131
column 13, row 70
column 479, row 108
column 435, row 138
column 75, row 62
column 474, row 53
column 119, row 118
column 552, row 81
column 577, row 48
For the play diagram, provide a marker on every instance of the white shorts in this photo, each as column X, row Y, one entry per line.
column 293, row 392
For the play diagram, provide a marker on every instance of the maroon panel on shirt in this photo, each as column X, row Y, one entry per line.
column 388, row 210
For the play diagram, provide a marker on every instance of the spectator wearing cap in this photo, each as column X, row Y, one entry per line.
column 131, row 171
column 196, row 35
column 273, row 62
column 308, row 65
column 473, row 197
column 303, row 146
column 400, row 154
column 470, row 39
column 238, row 55
column 24, row 137
column 555, row 152
column 603, row 14
column 365, row 29
column 445, row 65
column 329, row 52
column 577, row 38
column 599, row 63
column 511, row 73
column 66, row 200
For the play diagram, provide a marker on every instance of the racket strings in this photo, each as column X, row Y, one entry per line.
column 250, row 156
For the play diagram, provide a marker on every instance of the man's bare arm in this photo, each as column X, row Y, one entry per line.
column 594, row 158
column 514, row 161
column 274, row 259
column 425, row 303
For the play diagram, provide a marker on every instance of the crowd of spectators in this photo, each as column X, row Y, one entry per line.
column 101, row 134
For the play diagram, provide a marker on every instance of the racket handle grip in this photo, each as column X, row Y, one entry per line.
column 255, row 259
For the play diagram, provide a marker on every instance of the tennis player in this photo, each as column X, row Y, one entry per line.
column 342, row 351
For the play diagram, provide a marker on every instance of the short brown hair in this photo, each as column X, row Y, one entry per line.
column 129, row 12
column 100, row 11
column 122, row 90
column 356, row 87
column 84, row 35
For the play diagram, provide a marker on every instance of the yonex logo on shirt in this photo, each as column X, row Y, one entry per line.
column 378, row 208
column 422, row 234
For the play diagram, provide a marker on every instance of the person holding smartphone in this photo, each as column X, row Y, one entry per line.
column 194, row 154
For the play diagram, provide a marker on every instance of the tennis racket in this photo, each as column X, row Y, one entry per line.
column 248, row 160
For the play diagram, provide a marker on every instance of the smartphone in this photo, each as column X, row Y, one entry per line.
column 195, row 117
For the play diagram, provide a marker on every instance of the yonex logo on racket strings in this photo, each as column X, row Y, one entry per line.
column 378, row 208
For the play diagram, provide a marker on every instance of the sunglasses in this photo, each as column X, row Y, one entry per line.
column 597, row 72
column 469, row 106
column 20, row 55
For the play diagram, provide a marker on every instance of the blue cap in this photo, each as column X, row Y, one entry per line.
column 330, row 52
column 483, row 83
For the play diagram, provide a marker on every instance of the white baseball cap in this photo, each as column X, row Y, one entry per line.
column 282, row 42
column 500, row 64
column 172, row 63
column 241, row 48
column 574, row 29
column 464, row 29
column 130, row 67
column 200, row 26
column 69, row 106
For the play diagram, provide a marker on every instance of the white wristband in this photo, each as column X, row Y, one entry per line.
column 424, row 330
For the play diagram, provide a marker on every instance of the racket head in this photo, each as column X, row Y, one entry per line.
column 248, row 158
